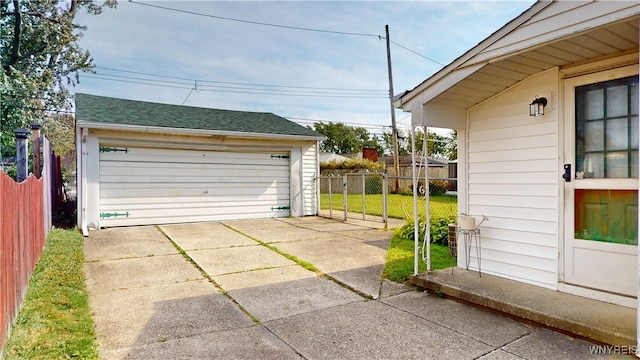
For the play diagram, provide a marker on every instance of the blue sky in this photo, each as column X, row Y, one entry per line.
column 306, row 76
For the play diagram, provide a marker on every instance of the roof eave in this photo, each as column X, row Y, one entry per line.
column 201, row 132
column 458, row 63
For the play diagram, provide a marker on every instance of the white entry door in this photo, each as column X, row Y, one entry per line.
column 601, row 181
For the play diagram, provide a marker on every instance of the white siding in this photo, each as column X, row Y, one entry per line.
column 309, row 174
column 512, row 177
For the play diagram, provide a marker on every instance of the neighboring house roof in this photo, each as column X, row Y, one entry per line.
column 405, row 160
column 549, row 34
column 327, row 156
column 112, row 113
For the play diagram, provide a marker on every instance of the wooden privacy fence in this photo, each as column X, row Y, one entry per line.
column 25, row 220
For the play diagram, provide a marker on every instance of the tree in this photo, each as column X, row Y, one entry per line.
column 343, row 139
column 403, row 144
column 60, row 130
column 451, row 148
column 40, row 59
column 437, row 145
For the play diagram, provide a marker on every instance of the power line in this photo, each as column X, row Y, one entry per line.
column 307, row 120
column 136, row 82
column 246, row 90
column 406, row 48
column 257, row 22
column 380, row 37
column 143, row 73
column 234, row 83
column 195, row 86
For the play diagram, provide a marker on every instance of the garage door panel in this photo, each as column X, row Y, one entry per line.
column 190, row 200
column 143, row 185
column 178, row 203
column 243, row 177
column 130, row 169
column 172, row 219
column 195, row 172
column 162, row 151
column 193, row 193
column 162, row 156
column 200, row 187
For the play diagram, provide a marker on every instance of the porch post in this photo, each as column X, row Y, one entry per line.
column 427, row 210
column 416, row 220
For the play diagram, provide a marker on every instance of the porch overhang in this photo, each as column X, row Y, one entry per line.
column 496, row 64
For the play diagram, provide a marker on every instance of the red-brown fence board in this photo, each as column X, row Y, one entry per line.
column 25, row 220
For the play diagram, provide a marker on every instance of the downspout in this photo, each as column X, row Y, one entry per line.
column 83, row 181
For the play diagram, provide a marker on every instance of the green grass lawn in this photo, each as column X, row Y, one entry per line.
column 55, row 321
column 399, row 261
column 399, row 206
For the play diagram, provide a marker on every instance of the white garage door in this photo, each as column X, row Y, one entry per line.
column 140, row 186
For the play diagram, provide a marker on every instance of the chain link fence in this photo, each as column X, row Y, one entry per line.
column 382, row 198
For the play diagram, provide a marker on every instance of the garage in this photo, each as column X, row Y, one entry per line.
column 137, row 167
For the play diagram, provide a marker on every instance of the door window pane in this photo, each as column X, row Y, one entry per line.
column 593, row 166
column 594, row 136
column 617, row 101
column 634, row 132
column 634, row 99
column 595, row 104
column 617, row 134
column 617, row 165
column 607, row 129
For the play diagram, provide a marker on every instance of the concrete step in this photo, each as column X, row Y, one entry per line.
column 581, row 317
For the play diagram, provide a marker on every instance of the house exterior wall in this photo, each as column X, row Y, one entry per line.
column 303, row 165
column 310, row 172
column 512, row 177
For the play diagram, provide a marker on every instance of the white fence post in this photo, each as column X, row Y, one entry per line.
column 385, row 197
column 364, row 193
column 344, row 195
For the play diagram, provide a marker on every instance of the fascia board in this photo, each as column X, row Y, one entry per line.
column 181, row 131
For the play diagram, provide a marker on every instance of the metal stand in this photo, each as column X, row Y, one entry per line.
column 469, row 236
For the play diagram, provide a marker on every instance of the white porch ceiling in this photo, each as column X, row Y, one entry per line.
column 497, row 75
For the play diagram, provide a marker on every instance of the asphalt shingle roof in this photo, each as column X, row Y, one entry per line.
column 108, row 110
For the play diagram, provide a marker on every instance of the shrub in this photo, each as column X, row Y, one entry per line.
column 373, row 184
column 439, row 230
column 354, row 164
column 438, row 187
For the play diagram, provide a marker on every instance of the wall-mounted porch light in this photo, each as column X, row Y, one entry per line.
column 536, row 108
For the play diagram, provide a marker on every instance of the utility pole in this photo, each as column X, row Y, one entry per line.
column 394, row 130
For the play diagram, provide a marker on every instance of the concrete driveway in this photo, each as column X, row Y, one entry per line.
column 238, row 289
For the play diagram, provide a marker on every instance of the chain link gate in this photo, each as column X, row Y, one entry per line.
column 382, row 198
column 361, row 196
